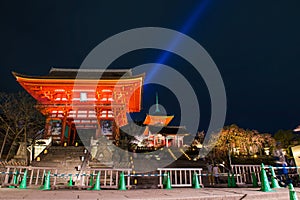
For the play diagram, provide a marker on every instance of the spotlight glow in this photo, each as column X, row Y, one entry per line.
column 196, row 14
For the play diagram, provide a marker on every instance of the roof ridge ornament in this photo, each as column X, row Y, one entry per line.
column 157, row 105
column 53, row 69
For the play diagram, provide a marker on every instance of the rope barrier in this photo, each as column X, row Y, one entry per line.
column 284, row 167
column 12, row 173
column 131, row 175
column 145, row 175
column 221, row 174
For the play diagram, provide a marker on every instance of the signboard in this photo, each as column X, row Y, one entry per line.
column 55, row 130
column 296, row 154
column 106, row 127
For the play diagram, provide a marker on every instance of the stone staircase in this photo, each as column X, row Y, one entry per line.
column 65, row 159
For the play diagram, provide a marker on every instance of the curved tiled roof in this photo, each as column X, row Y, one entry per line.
column 66, row 73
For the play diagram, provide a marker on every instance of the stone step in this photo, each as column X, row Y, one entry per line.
column 65, row 159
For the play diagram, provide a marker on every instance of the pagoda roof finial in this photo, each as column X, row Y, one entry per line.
column 157, row 105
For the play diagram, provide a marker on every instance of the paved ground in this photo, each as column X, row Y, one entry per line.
column 147, row 194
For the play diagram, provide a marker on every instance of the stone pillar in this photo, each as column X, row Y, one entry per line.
column 22, row 152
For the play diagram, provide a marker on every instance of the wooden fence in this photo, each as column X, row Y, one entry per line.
column 180, row 177
column 35, row 175
column 109, row 178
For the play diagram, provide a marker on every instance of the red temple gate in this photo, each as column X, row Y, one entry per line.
column 96, row 100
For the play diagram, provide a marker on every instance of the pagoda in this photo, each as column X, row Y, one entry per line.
column 93, row 99
column 158, row 133
column 157, row 118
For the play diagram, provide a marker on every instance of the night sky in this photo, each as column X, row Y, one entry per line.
column 255, row 44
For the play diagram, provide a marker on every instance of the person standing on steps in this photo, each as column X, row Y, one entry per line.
column 216, row 172
column 285, row 174
column 210, row 174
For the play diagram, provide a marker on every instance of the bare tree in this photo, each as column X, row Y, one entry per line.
column 19, row 120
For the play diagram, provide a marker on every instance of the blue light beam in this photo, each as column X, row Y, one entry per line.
column 200, row 9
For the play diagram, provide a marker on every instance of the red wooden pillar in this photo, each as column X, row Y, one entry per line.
column 116, row 131
column 64, row 122
column 163, row 141
column 47, row 131
column 74, row 131
column 69, row 132
column 98, row 130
